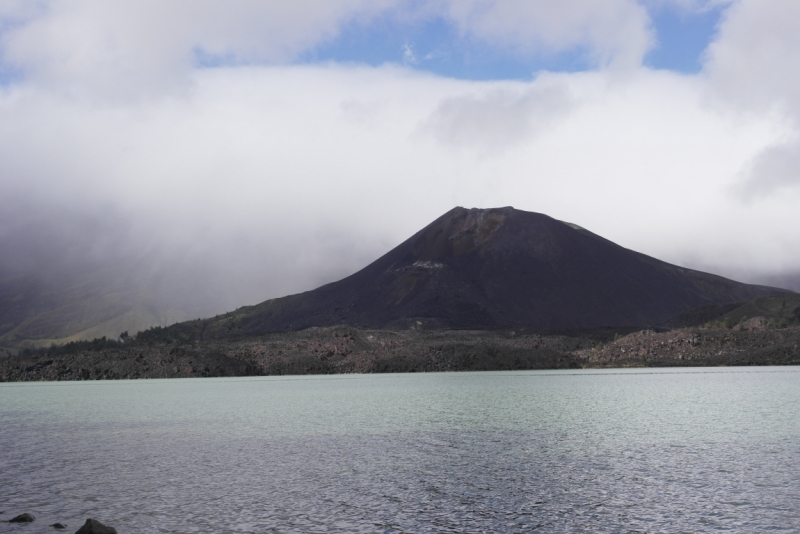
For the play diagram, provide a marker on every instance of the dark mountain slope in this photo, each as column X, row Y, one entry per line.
column 495, row 268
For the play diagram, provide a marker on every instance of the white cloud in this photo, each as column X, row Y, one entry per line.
column 273, row 179
column 754, row 64
column 126, row 50
column 754, row 59
column 774, row 169
column 280, row 178
column 409, row 58
column 503, row 116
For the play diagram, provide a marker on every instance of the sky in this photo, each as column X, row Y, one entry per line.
column 238, row 151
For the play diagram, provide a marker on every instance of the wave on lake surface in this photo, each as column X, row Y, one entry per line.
column 600, row 451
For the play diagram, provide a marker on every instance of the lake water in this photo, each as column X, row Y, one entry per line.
column 574, row 451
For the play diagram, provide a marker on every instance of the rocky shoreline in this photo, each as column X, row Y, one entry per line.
column 344, row 349
column 92, row 526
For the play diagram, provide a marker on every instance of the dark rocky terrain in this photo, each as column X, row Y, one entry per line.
column 314, row 351
column 493, row 269
column 350, row 350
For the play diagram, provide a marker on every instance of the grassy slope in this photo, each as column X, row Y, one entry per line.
column 777, row 308
column 37, row 313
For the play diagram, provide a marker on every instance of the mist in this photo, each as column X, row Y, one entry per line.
column 198, row 189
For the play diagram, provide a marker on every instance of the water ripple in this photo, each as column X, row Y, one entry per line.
column 479, row 452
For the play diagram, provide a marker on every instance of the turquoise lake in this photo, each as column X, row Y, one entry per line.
column 638, row 450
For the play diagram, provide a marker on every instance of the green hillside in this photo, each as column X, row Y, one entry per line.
column 778, row 310
column 36, row 312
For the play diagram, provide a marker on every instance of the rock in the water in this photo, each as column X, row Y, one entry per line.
column 95, row 527
column 58, row 526
column 23, row 518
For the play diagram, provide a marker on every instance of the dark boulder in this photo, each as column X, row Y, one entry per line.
column 23, row 518
column 58, row 526
column 95, row 527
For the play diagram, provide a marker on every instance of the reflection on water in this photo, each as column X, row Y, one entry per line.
column 600, row 451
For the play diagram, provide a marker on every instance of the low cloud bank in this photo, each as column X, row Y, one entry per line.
column 212, row 188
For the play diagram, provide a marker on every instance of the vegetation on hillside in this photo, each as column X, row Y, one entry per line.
column 776, row 311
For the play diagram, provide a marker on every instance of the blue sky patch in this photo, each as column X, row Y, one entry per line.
column 682, row 38
column 436, row 46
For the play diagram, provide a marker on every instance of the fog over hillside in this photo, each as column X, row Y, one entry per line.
column 163, row 162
